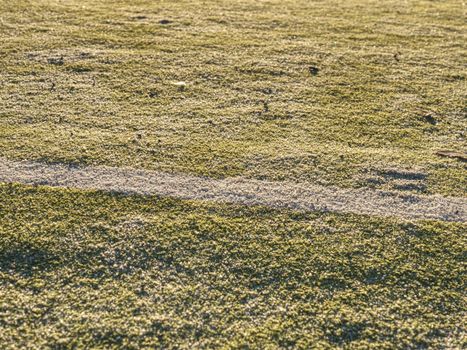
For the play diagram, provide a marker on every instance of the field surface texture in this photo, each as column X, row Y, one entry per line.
column 243, row 174
column 346, row 93
column 303, row 197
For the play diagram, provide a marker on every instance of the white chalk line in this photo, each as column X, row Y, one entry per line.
column 297, row 196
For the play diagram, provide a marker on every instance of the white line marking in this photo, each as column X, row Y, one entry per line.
column 305, row 197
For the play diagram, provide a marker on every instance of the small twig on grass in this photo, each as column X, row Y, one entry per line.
column 452, row 154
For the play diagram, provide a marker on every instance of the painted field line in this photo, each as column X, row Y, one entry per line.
column 304, row 197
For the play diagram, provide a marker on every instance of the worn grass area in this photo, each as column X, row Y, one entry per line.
column 96, row 270
column 92, row 82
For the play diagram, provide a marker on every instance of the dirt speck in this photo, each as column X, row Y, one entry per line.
column 153, row 93
column 429, row 118
column 56, row 61
column 313, row 70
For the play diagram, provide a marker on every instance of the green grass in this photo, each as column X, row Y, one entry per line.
column 251, row 107
column 82, row 269
column 92, row 82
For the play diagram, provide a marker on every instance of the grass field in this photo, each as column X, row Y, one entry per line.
column 352, row 94
column 92, row 82
column 89, row 269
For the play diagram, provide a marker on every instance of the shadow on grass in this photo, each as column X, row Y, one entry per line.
column 26, row 259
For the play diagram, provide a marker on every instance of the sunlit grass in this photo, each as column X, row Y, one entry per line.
column 81, row 79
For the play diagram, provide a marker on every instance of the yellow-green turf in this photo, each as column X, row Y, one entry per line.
column 344, row 93
column 86, row 81
column 82, row 269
